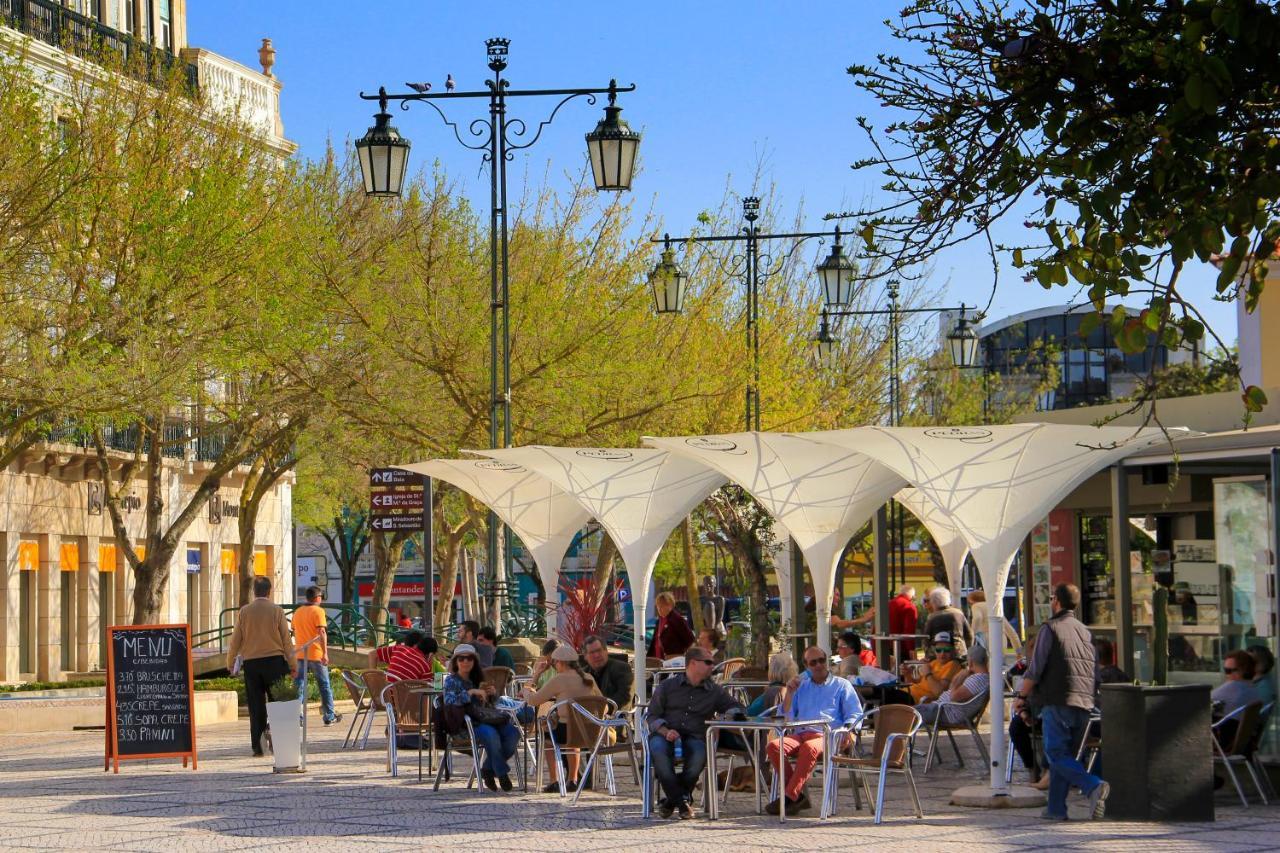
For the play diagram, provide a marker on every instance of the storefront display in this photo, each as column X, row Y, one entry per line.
column 1098, row 581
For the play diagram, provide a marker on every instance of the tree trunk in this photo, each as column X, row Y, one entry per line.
column 604, row 565
column 759, row 582
column 691, row 575
column 387, row 553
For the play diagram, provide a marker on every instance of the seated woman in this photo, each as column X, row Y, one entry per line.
column 853, row 655
column 464, row 688
column 782, row 668
column 569, row 682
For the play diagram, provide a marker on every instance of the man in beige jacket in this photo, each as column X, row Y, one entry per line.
column 261, row 640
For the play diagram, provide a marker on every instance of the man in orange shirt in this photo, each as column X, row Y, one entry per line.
column 309, row 623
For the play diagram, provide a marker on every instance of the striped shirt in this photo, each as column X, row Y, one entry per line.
column 404, row 662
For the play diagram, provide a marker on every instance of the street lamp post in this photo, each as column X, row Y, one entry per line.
column 962, row 345
column 669, row 282
column 383, row 155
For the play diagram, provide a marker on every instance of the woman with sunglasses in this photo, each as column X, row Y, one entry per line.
column 463, row 687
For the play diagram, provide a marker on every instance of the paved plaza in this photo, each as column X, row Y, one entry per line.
column 55, row 795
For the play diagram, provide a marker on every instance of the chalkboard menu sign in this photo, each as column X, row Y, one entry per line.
column 150, row 703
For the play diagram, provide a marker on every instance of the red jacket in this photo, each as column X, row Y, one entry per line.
column 903, row 618
column 671, row 637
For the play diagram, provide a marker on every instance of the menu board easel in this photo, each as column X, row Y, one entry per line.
column 150, row 695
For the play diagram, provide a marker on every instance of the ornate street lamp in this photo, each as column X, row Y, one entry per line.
column 383, row 154
column 826, row 349
column 963, row 343
column 836, row 274
column 612, row 147
column 668, row 281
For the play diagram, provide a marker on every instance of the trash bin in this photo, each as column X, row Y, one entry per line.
column 1156, row 752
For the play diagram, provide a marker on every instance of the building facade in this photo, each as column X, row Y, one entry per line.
column 1091, row 369
column 63, row 576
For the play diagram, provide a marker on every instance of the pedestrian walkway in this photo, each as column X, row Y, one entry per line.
column 53, row 794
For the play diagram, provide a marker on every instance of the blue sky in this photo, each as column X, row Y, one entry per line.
column 722, row 88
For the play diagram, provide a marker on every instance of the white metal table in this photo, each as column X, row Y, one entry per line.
column 778, row 726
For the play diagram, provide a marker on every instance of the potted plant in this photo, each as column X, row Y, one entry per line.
column 284, row 718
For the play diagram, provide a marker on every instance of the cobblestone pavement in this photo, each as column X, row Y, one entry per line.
column 53, row 794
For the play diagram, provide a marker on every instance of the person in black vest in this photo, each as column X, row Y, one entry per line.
column 1063, row 678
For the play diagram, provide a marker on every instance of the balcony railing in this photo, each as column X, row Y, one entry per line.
column 56, row 25
column 183, row 438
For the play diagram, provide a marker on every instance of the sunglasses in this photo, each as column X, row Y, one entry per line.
column 943, row 649
column 816, row 662
column 1229, row 669
column 465, row 657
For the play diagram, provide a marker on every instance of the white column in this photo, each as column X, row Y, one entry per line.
column 10, row 594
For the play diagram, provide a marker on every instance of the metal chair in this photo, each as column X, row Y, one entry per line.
column 1242, row 746
column 602, row 713
column 971, row 711
column 895, row 726
column 360, row 695
column 375, row 682
column 406, row 714
column 1090, row 744
column 1264, row 717
column 726, row 669
column 649, row 779
column 462, row 742
column 500, row 677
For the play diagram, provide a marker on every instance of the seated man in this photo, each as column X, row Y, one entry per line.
column 614, row 678
column 926, row 685
column 710, row 639
column 814, row 695
column 969, row 683
column 678, row 713
column 488, row 638
column 412, row 658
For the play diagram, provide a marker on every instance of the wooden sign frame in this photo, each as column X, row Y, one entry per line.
column 113, row 756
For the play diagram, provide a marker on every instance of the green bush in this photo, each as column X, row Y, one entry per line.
column 51, row 685
column 237, row 684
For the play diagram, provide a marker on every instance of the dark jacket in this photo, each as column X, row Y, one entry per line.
column 1065, row 665
column 616, row 681
column 953, row 621
column 675, row 634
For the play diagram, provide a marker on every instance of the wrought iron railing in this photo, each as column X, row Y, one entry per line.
column 54, row 24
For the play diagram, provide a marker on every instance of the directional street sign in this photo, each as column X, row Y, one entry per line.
column 396, row 500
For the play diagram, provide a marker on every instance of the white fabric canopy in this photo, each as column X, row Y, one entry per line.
column 543, row 516
column 946, row 535
column 638, row 496
column 820, row 493
column 995, row 483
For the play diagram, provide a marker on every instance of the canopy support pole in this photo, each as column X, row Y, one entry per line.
column 1120, row 563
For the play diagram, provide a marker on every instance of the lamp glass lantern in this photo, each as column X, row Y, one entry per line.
column 836, row 274
column 669, row 282
column 963, row 343
column 826, row 348
column 612, row 148
column 384, row 157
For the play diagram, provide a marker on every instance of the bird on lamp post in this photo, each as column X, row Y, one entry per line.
column 420, row 88
column 449, row 85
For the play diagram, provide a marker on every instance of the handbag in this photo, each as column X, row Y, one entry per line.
column 487, row 715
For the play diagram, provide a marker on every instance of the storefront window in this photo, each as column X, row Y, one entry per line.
column 1098, row 581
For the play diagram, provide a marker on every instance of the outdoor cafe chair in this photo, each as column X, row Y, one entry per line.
column 1091, row 743
column 648, row 776
column 375, row 682
column 501, row 677
column 1264, row 717
column 465, row 743
column 407, row 714
column 895, row 726
column 726, row 669
column 1243, row 745
column 613, row 737
column 576, row 730
column 971, row 712
column 360, row 695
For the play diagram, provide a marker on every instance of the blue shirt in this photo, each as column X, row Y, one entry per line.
column 834, row 700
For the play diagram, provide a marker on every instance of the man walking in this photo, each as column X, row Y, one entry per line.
column 678, row 715
column 1063, row 676
column 261, row 640
column 309, row 626
column 816, row 694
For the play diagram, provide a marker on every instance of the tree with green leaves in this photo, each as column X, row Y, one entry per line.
column 1133, row 136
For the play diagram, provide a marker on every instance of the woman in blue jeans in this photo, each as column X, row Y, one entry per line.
column 462, row 687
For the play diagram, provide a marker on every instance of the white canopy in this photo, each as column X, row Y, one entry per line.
column 638, row 496
column 820, row 493
column 944, row 532
column 543, row 516
column 995, row 483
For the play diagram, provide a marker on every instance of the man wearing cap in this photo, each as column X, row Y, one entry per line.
column 927, row 684
column 816, row 694
column 972, row 681
column 679, row 711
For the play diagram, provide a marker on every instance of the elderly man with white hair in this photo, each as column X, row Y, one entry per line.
column 947, row 618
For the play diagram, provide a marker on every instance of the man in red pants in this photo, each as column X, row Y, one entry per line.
column 816, row 694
